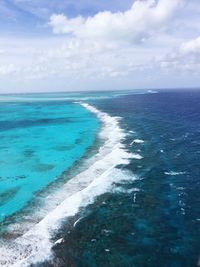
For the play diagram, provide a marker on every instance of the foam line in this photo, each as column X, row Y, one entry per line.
column 35, row 245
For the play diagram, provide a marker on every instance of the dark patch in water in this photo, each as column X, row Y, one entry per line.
column 8, row 125
column 79, row 141
column 19, row 177
column 5, row 196
column 29, row 153
column 43, row 167
column 63, row 147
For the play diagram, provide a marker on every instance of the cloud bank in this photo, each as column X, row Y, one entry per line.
column 151, row 44
column 143, row 19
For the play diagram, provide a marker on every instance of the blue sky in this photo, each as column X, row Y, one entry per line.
column 19, row 15
column 66, row 45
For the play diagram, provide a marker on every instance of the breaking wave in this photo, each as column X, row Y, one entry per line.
column 35, row 245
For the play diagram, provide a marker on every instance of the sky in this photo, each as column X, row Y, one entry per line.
column 68, row 45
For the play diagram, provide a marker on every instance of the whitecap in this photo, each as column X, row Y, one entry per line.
column 136, row 156
column 132, row 132
column 152, row 91
column 137, row 141
column 173, row 173
column 59, row 241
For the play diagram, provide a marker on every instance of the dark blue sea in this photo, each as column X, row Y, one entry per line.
column 107, row 180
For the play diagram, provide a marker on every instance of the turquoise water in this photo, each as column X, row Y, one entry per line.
column 148, row 216
column 39, row 141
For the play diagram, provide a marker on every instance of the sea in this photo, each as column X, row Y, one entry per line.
column 100, row 179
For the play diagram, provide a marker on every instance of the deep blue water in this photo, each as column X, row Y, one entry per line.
column 153, row 221
column 149, row 220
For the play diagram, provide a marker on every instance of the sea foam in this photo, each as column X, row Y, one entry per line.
column 173, row 173
column 137, row 141
column 35, row 245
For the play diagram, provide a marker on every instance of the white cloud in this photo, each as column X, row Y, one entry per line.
column 61, row 24
column 77, row 63
column 186, row 58
column 7, row 69
column 191, row 47
column 102, row 51
column 142, row 20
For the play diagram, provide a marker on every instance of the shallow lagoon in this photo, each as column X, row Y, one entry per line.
column 39, row 141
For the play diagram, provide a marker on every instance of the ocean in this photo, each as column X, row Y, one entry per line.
column 100, row 179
